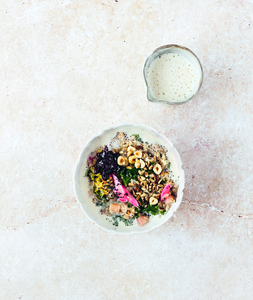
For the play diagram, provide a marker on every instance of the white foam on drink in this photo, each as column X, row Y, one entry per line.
column 171, row 77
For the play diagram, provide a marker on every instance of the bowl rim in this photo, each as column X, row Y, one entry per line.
column 148, row 94
column 79, row 162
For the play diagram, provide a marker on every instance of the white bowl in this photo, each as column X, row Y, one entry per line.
column 81, row 184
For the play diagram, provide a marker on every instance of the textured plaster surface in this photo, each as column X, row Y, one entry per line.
column 71, row 68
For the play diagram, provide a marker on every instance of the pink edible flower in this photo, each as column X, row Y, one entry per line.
column 122, row 193
column 165, row 193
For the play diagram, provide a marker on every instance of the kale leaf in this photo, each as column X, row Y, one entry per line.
column 127, row 174
column 138, row 138
column 152, row 209
column 87, row 173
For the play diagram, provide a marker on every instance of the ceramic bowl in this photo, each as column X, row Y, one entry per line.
column 81, row 184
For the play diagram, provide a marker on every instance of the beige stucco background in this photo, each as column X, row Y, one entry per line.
column 71, row 68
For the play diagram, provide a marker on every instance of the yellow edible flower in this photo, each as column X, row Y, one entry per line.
column 99, row 183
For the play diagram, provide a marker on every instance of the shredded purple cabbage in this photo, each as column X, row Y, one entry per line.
column 106, row 163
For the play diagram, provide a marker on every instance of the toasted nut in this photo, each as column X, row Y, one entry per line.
column 137, row 164
column 129, row 168
column 130, row 184
column 125, row 162
column 130, row 148
column 132, row 159
column 157, row 169
column 138, row 154
column 138, row 197
column 174, row 191
column 153, row 201
column 121, row 160
column 142, row 163
column 141, row 172
column 151, row 175
column 151, row 167
column 156, row 195
column 121, row 152
column 129, row 153
column 154, row 158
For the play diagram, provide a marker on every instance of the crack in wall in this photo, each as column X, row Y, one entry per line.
column 249, row 216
